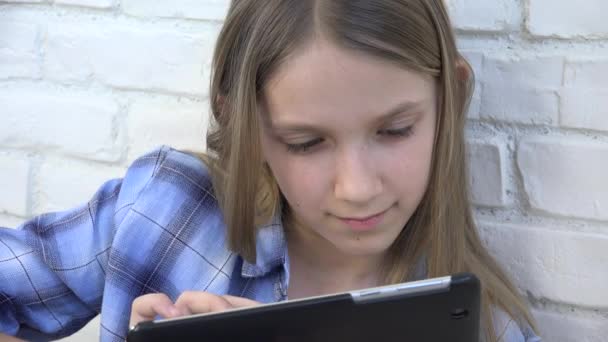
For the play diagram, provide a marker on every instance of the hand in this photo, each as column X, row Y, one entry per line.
column 6, row 338
column 147, row 307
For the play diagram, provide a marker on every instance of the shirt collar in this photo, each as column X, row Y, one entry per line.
column 271, row 250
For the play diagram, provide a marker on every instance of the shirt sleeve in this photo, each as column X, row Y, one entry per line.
column 52, row 267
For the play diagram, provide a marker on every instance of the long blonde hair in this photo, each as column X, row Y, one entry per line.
column 258, row 36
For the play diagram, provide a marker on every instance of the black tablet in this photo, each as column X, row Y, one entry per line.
column 438, row 309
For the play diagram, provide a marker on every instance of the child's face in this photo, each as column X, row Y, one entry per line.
column 349, row 137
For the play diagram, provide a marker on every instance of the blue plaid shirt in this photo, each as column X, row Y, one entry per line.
column 159, row 229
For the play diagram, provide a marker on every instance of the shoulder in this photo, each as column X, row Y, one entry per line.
column 175, row 221
column 165, row 161
column 509, row 330
column 166, row 185
column 165, row 171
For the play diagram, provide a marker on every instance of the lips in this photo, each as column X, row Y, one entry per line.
column 364, row 223
column 363, row 218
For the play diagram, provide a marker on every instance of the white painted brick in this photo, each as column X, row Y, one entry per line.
column 522, row 90
column 486, row 175
column 19, row 49
column 569, row 327
column 585, row 108
column 10, row 221
column 63, row 184
column 475, row 104
column 87, row 3
column 568, row 19
column 181, row 124
column 483, row 15
column 591, row 73
column 539, row 72
column 14, row 182
column 192, row 9
column 513, row 104
column 567, row 267
column 475, row 59
column 566, row 177
column 73, row 123
column 131, row 57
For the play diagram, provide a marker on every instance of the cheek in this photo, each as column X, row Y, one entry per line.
column 410, row 172
column 300, row 179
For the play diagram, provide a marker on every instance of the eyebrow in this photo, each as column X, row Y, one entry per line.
column 300, row 127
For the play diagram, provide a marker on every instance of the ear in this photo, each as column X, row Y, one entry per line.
column 464, row 72
column 219, row 101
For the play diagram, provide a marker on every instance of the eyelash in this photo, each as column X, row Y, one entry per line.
column 401, row 132
column 390, row 133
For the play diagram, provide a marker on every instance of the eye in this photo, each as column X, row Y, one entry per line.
column 400, row 132
column 303, row 147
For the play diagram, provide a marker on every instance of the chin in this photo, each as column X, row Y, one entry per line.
column 364, row 248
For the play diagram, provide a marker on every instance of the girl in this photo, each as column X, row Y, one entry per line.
column 336, row 162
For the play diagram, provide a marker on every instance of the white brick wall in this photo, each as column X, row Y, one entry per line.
column 88, row 85
column 533, row 80
column 566, row 176
column 130, row 57
column 568, row 19
column 190, row 9
column 486, row 176
column 181, row 123
column 19, row 55
column 73, row 122
column 15, row 183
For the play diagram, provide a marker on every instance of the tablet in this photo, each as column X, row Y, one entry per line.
column 438, row 309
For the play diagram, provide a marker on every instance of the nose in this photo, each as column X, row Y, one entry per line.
column 356, row 177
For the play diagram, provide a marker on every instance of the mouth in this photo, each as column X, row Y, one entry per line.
column 364, row 223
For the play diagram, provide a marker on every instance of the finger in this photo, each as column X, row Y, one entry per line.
column 196, row 302
column 240, row 302
column 147, row 307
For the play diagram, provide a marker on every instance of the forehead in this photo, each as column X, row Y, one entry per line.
column 325, row 81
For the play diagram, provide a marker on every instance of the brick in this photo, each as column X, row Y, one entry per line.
column 526, row 106
column 542, row 71
column 87, row 3
column 568, row 19
column 585, row 108
column 191, row 9
column 486, row 175
column 71, row 123
column 480, row 15
column 566, row 177
column 131, row 57
column 571, row 326
column 19, row 50
column 10, row 221
column 565, row 267
column 63, row 184
column 589, row 73
column 522, row 90
column 14, row 183
column 181, row 124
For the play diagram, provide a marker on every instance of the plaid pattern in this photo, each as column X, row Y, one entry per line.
column 159, row 229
